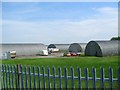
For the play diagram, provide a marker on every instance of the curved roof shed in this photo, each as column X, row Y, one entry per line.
column 77, row 47
column 59, row 46
column 24, row 49
column 51, row 46
column 102, row 48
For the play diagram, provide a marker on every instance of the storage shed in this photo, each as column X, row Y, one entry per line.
column 59, row 46
column 51, row 46
column 23, row 49
column 77, row 47
column 102, row 48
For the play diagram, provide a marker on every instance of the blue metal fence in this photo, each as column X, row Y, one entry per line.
column 25, row 77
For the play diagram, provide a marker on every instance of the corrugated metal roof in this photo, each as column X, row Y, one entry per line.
column 77, row 47
column 23, row 49
column 102, row 48
column 59, row 46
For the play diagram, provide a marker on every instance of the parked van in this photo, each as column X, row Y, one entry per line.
column 43, row 53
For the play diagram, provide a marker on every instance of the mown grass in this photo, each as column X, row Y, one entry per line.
column 75, row 62
column 89, row 62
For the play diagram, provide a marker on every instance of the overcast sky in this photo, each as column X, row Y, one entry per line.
column 50, row 22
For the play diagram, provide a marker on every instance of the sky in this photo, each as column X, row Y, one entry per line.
column 58, row 22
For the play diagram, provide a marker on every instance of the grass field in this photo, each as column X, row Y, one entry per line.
column 75, row 62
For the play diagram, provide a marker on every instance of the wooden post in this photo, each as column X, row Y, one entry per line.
column 18, row 75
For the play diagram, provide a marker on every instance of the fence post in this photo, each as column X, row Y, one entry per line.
column 3, row 82
column 34, row 77
column 1, row 77
column 102, row 78
column 111, row 78
column 54, row 78
column 44, row 84
column 38, row 77
column 6, row 77
column 119, row 78
column 9, row 77
column 26, row 80
column 86, row 78
column 48, row 71
column 60, row 78
column 94, row 77
column 29, row 70
column 65, row 77
column 12, row 71
column 22, row 77
column 18, row 75
column 79, row 78
column 72, row 78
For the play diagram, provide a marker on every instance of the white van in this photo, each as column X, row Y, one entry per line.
column 44, row 52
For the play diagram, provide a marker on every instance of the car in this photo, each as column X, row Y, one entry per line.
column 73, row 54
column 67, row 54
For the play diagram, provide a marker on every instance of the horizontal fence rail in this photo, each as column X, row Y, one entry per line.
column 25, row 77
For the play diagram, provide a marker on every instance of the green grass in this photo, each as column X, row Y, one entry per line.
column 75, row 62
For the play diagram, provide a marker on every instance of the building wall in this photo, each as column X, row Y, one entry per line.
column 102, row 48
column 24, row 49
column 77, row 47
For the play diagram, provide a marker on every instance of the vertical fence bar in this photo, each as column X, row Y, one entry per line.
column 79, row 78
column 12, row 82
column 54, row 78
column 3, row 69
column 44, row 84
column 15, row 71
column 102, row 78
column 60, row 78
column 111, row 78
column 9, row 84
column 22, row 77
column 18, row 76
column 3, row 76
column 3, row 83
column 11, row 76
column 65, row 77
column 26, row 80
column 39, row 86
column 72, row 78
column 86, row 78
column 6, row 76
column 119, row 78
column 30, row 77
column 48, row 70
column 34, row 77
column 94, row 78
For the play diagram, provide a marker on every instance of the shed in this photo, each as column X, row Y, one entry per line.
column 59, row 46
column 77, row 47
column 24, row 49
column 51, row 46
column 102, row 48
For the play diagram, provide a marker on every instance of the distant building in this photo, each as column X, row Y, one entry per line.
column 102, row 48
column 61, row 47
column 23, row 49
column 77, row 47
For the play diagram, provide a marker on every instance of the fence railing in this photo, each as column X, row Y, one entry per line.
column 19, row 76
